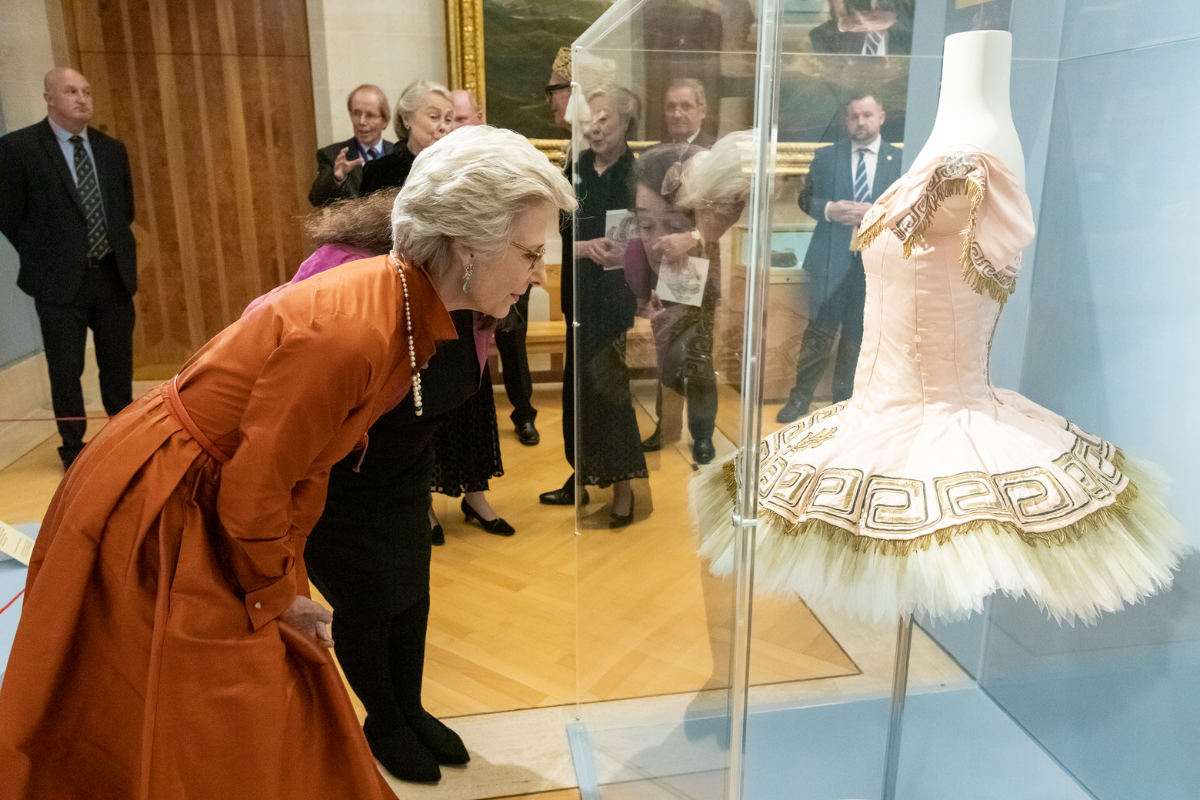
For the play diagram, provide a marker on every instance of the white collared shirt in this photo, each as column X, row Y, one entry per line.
column 68, row 148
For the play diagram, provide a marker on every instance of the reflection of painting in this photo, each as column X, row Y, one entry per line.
column 977, row 15
column 521, row 39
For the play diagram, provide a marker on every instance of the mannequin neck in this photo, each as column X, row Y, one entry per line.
column 973, row 108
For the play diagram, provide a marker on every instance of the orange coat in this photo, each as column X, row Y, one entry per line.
column 149, row 662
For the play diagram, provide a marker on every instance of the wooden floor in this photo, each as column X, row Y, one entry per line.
column 550, row 617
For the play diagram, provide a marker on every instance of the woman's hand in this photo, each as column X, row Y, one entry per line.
column 310, row 618
column 608, row 253
column 674, row 249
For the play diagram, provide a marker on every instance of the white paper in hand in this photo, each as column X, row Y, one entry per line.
column 683, row 284
column 14, row 544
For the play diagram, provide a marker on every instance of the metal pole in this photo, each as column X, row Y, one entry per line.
column 762, row 190
column 899, row 693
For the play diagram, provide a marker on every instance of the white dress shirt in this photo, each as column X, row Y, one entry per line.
column 870, row 152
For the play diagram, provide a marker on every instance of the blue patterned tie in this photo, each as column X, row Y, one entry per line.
column 93, row 208
column 371, row 154
column 862, row 187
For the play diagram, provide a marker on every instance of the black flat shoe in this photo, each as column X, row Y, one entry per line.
column 653, row 442
column 790, row 412
column 562, row 497
column 402, row 754
column 621, row 521
column 438, row 537
column 703, row 451
column 527, row 434
column 497, row 526
column 446, row 745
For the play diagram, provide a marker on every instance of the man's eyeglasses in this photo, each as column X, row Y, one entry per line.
column 555, row 87
column 534, row 256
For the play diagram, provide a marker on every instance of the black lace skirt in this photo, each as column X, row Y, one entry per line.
column 468, row 444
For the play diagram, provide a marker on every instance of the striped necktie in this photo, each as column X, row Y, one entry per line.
column 873, row 45
column 862, row 187
column 93, row 208
column 372, row 154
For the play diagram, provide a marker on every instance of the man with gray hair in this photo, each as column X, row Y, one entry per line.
column 339, row 166
column 685, row 107
column 66, row 204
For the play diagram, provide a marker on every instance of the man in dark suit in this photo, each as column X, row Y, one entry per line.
column 843, row 181
column 339, row 166
column 66, row 204
column 685, row 107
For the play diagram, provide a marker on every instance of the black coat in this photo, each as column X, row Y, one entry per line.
column 42, row 214
column 830, row 178
column 388, row 172
column 325, row 188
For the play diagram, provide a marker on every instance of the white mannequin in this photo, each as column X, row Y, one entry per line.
column 974, row 110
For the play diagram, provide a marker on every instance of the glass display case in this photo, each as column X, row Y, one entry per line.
column 695, row 282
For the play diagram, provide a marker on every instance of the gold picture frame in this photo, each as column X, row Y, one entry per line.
column 464, row 48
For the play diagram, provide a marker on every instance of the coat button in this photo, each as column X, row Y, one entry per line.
column 258, row 605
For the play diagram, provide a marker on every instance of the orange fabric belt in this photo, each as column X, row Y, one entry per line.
column 175, row 405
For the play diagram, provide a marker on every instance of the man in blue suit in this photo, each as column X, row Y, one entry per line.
column 339, row 165
column 843, row 182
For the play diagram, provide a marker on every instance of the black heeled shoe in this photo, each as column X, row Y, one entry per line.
column 622, row 520
column 438, row 537
column 497, row 526
column 446, row 745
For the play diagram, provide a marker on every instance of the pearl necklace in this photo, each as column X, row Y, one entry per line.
column 412, row 353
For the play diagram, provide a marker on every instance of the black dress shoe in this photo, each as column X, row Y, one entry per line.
column 703, row 451
column 446, row 745
column 497, row 526
column 562, row 497
column 402, row 754
column 622, row 520
column 438, row 537
column 790, row 412
column 653, row 442
column 527, row 434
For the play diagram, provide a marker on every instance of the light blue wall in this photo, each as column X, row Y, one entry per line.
column 20, row 336
column 1112, row 319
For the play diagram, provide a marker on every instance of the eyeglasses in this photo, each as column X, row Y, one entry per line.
column 555, row 87
column 534, row 256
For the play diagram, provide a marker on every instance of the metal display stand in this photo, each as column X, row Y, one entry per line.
column 899, row 694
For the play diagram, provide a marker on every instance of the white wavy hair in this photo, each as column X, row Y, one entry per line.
column 720, row 173
column 470, row 187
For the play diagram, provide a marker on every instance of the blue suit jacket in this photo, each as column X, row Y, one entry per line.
column 830, row 178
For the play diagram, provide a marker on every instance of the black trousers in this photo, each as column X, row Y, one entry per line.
column 701, row 407
column 514, row 364
column 104, row 305
column 842, row 310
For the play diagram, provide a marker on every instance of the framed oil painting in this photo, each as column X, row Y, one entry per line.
column 503, row 50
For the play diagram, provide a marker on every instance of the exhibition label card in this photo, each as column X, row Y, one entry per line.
column 15, row 544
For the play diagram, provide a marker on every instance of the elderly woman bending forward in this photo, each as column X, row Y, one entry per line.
column 168, row 647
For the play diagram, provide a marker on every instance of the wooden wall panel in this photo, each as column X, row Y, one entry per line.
column 213, row 99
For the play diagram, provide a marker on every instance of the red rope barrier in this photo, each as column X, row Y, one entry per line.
column 10, row 602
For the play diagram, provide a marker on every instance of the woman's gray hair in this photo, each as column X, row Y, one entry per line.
column 470, row 187
column 624, row 102
column 722, row 173
column 410, row 98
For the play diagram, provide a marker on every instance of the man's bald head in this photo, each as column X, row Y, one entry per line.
column 68, row 98
column 466, row 110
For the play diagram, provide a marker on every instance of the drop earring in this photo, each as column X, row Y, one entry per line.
column 470, row 271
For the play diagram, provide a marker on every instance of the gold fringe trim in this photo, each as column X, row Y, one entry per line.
column 937, row 191
column 1115, row 512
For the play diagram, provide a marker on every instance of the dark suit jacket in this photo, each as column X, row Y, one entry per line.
column 704, row 139
column 42, row 214
column 325, row 188
column 389, row 172
column 830, row 178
